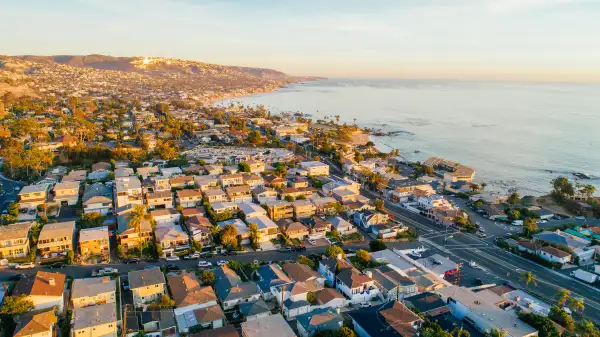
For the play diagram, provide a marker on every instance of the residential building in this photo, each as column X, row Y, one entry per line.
column 189, row 295
column 146, row 285
column 251, row 210
column 93, row 291
column 36, row 325
column 181, row 182
column 451, row 171
column 392, row 284
column 94, row 241
column 230, row 289
column 274, row 181
column 147, row 171
column 341, row 184
column 315, row 168
column 280, row 210
column 33, row 195
column 128, row 190
column 388, row 230
column 222, row 207
column 239, row 194
column 330, row 267
column 440, row 265
column 330, row 298
column 45, row 290
column 270, row 275
column 226, row 331
column 98, row 198
column 317, row 227
column 299, row 272
column 256, row 166
column 267, row 229
column 76, row 175
column 66, row 192
column 303, row 209
column 95, row 321
column 158, row 183
column 160, row 199
column 252, row 311
column 552, row 254
column 391, row 319
column 190, row 212
column 56, row 238
column 170, row 171
column 324, row 205
column 122, row 172
column 206, row 182
column 172, row 239
column 357, row 287
column 159, row 323
column 342, row 226
column 128, row 236
column 292, row 229
column 433, row 201
column 231, row 179
column 254, row 181
column 210, row 317
column 294, row 296
column 165, row 216
column 297, row 182
column 367, row 219
column 427, row 303
column 318, row 320
column 262, row 195
column 274, row 325
column 199, row 229
column 215, row 195
column 15, row 240
column 189, row 198
column 240, row 226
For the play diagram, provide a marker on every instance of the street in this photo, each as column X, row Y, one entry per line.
column 8, row 194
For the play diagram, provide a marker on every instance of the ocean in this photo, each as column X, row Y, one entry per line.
column 516, row 135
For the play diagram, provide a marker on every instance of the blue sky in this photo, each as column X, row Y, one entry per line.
column 480, row 39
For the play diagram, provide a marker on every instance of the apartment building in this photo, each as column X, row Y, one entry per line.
column 128, row 190
column 267, row 229
column 303, row 209
column 279, row 210
column 33, row 195
column 130, row 238
column 94, row 241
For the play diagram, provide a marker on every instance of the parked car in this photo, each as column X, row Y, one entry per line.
column 207, row 255
column 365, row 304
column 221, row 263
column 580, row 217
column 285, row 249
column 192, row 256
column 105, row 271
column 204, row 264
column 349, row 250
column 57, row 265
column 27, row 265
column 150, row 266
column 171, row 267
column 17, row 277
column 172, row 258
column 299, row 248
column 416, row 254
column 230, row 253
column 312, row 242
column 132, row 260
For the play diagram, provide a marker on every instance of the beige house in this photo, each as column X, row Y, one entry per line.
column 232, row 179
column 147, row 285
column 128, row 190
column 76, row 175
column 97, row 198
column 171, row 238
column 145, row 172
column 199, row 229
column 303, row 209
column 130, row 238
column 56, row 238
column 189, row 198
column 45, row 290
column 94, row 241
column 160, row 199
column 93, row 291
column 239, row 194
column 181, row 181
column 95, row 321
column 15, row 240
column 36, row 325
column 215, row 195
column 33, row 195
column 254, row 181
column 66, row 192
column 315, row 168
column 160, row 183
column 279, row 210
column 256, row 166
column 206, row 182
column 292, row 229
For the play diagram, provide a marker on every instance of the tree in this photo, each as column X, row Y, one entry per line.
column 229, row 236
column 305, row 260
column 563, row 187
column 167, row 151
column 433, row 329
column 513, row 198
column 136, row 218
column 196, row 246
column 377, row 245
column 311, row 298
column 70, row 257
column 563, row 295
column 588, row 190
column 334, row 251
column 346, row 332
column 164, row 302
column 281, row 171
column 543, row 324
column 289, row 198
column 379, row 204
column 244, row 167
column 254, row 234
column 363, row 255
column 234, row 265
column 207, row 277
column 562, row 317
column 529, row 278
column 16, row 305
column 588, row 329
column 529, row 227
column 90, row 220
column 576, row 304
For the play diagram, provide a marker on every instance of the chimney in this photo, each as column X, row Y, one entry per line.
column 51, row 281
column 369, row 274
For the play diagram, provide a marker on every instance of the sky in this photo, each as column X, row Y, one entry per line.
column 553, row 40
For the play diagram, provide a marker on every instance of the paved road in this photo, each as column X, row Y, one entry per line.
column 8, row 194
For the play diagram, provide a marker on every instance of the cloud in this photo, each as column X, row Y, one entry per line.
column 504, row 6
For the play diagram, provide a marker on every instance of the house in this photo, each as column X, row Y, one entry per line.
column 324, row 205
column 231, row 290
column 292, row 229
column 252, row 311
column 274, row 325
column 128, row 190
column 392, row 284
column 146, row 285
column 560, row 238
column 95, row 321
column 274, row 181
column 189, row 295
column 267, row 229
column 299, row 272
column 357, row 287
column 433, row 201
column 317, row 227
column 159, row 323
column 44, row 289
column 262, row 195
column 210, row 317
column 388, row 230
column 552, row 254
column 66, row 192
column 206, row 182
column 190, row 212
column 93, row 291
column 199, row 229
column 270, row 275
column 526, row 246
column 544, row 214
column 170, row 171
column 159, row 199
column 147, row 171
column 36, row 325
column 76, row 175
column 330, row 267
column 15, row 240
column 441, row 266
column 94, row 241
column 157, row 184
column 181, row 182
column 451, row 171
column 367, row 219
column 231, row 179
column 165, row 216
column 315, row 168
column 256, row 166
column 330, row 298
column 172, row 239
column 342, row 226
column 297, row 182
column 213, row 169
column 295, row 298
column 318, row 320
column 123, row 172
column 254, row 181
column 291, row 193
column 215, row 195
column 227, row 331
column 427, row 303
column 130, row 238
column 303, row 209
column 222, row 207
column 97, row 198
column 391, row 319
column 477, row 308
column 279, row 210
column 33, row 195
column 193, row 169
column 239, row 194
column 251, row 210
column 56, row 238
column 240, row 226
column 189, row 198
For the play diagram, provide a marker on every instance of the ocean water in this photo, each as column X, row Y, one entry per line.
column 514, row 134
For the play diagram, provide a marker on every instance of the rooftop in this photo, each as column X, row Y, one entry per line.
column 96, row 233
column 94, row 315
column 274, row 325
column 89, row 287
column 145, row 277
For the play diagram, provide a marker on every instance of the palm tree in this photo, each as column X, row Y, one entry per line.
column 563, row 296
column 529, row 277
column 136, row 218
column 588, row 328
column 576, row 304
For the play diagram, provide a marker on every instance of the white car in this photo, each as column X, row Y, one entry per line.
column 204, row 264
column 312, row 242
column 221, row 263
column 108, row 270
column 28, row 265
column 172, row 258
column 365, row 304
column 192, row 256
